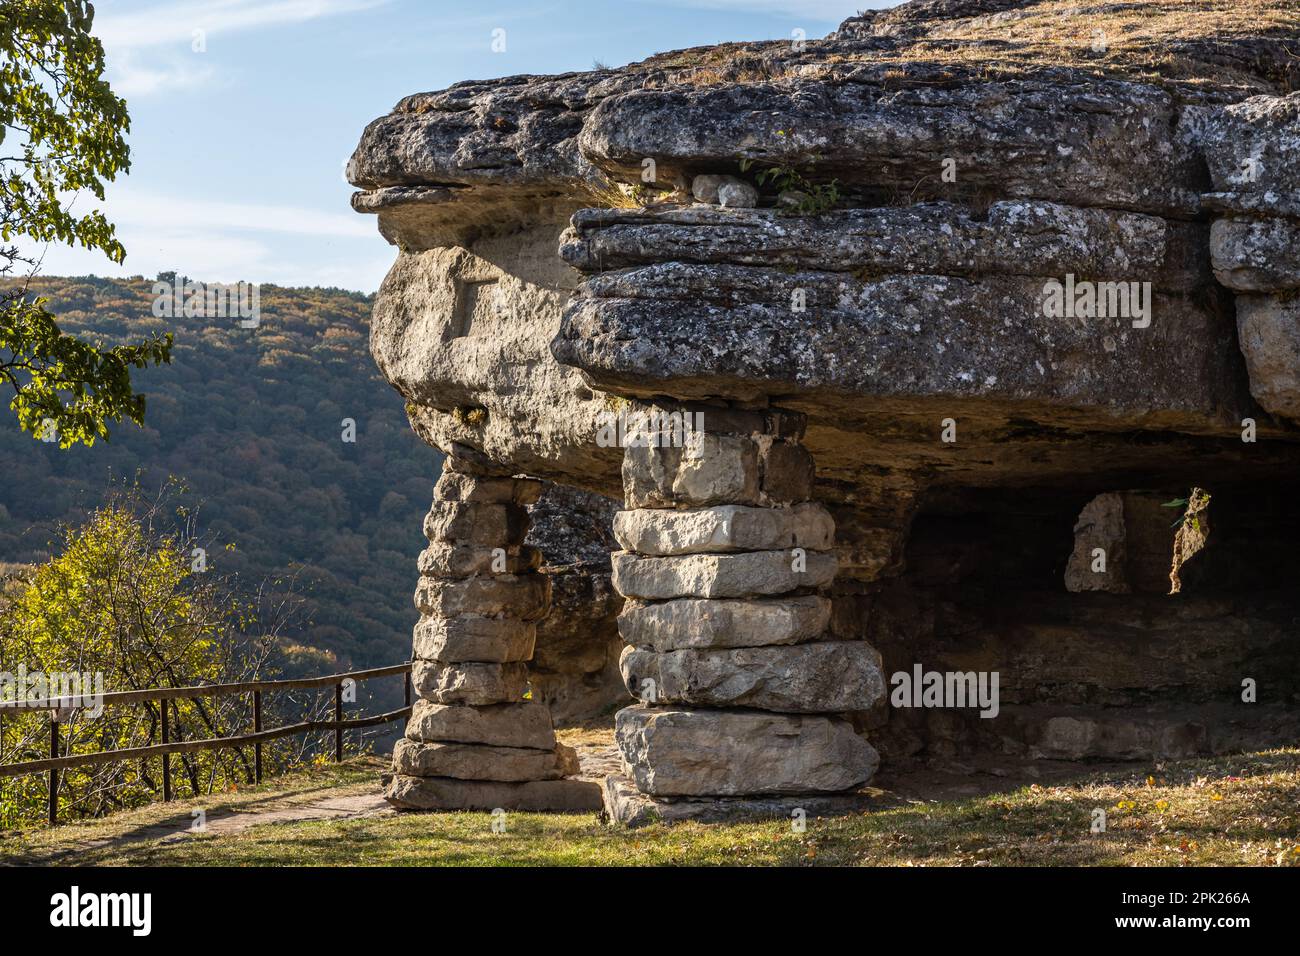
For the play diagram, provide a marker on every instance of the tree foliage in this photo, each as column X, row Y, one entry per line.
column 62, row 133
column 123, row 600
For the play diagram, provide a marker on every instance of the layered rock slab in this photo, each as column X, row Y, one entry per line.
column 679, row 752
column 827, row 677
column 694, row 623
column 628, row 806
column 728, row 528
column 721, row 575
column 483, row 762
column 446, row 793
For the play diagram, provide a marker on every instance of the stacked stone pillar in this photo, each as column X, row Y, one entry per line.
column 742, row 687
column 475, row 738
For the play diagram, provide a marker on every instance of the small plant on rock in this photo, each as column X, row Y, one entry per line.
column 809, row 198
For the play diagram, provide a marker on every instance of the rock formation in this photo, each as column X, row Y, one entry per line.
column 970, row 296
column 476, row 739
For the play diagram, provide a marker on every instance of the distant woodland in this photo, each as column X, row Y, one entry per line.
column 252, row 421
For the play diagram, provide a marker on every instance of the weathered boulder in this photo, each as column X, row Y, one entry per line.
column 737, row 196
column 671, row 751
column 830, row 677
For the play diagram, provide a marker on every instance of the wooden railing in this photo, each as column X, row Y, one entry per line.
column 58, row 707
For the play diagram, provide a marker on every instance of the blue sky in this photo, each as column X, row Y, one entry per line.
column 238, row 149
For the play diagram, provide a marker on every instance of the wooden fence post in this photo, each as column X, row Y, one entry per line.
column 166, row 758
column 54, row 772
column 338, row 717
column 257, row 728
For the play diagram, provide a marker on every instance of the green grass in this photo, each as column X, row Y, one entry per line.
column 1242, row 810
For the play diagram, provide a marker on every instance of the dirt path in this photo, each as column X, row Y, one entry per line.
column 332, row 803
column 327, row 802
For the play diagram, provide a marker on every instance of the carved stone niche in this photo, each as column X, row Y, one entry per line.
column 480, row 309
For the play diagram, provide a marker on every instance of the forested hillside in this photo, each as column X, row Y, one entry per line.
column 252, row 420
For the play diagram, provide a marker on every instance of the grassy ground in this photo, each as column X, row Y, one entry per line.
column 1241, row 810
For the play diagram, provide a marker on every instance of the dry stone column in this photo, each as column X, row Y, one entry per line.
column 741, row 685
column 475, row 738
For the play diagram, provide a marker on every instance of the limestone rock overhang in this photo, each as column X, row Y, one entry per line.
column 920, row 299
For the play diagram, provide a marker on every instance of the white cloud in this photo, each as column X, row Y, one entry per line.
column 169, row 212
column 212, row 256
column 218, row 241
column 177, row 22
column 129, row 77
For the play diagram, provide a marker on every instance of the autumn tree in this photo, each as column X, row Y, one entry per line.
column 62, row 133
column 131, row 596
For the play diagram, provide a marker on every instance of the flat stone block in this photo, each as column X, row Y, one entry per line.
column 526, row 596
column 823, row 677
column 533, row 796
column 471, row 488
column 477, row 762
column 709, row 470
column 724, row 528
column 444, row 560
column 626, row 805
column 702, row 623
column 719, row 575
column 675, row 751
column 474, row 637
column 475, row 684
column 523, row 724
column 476, row 523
